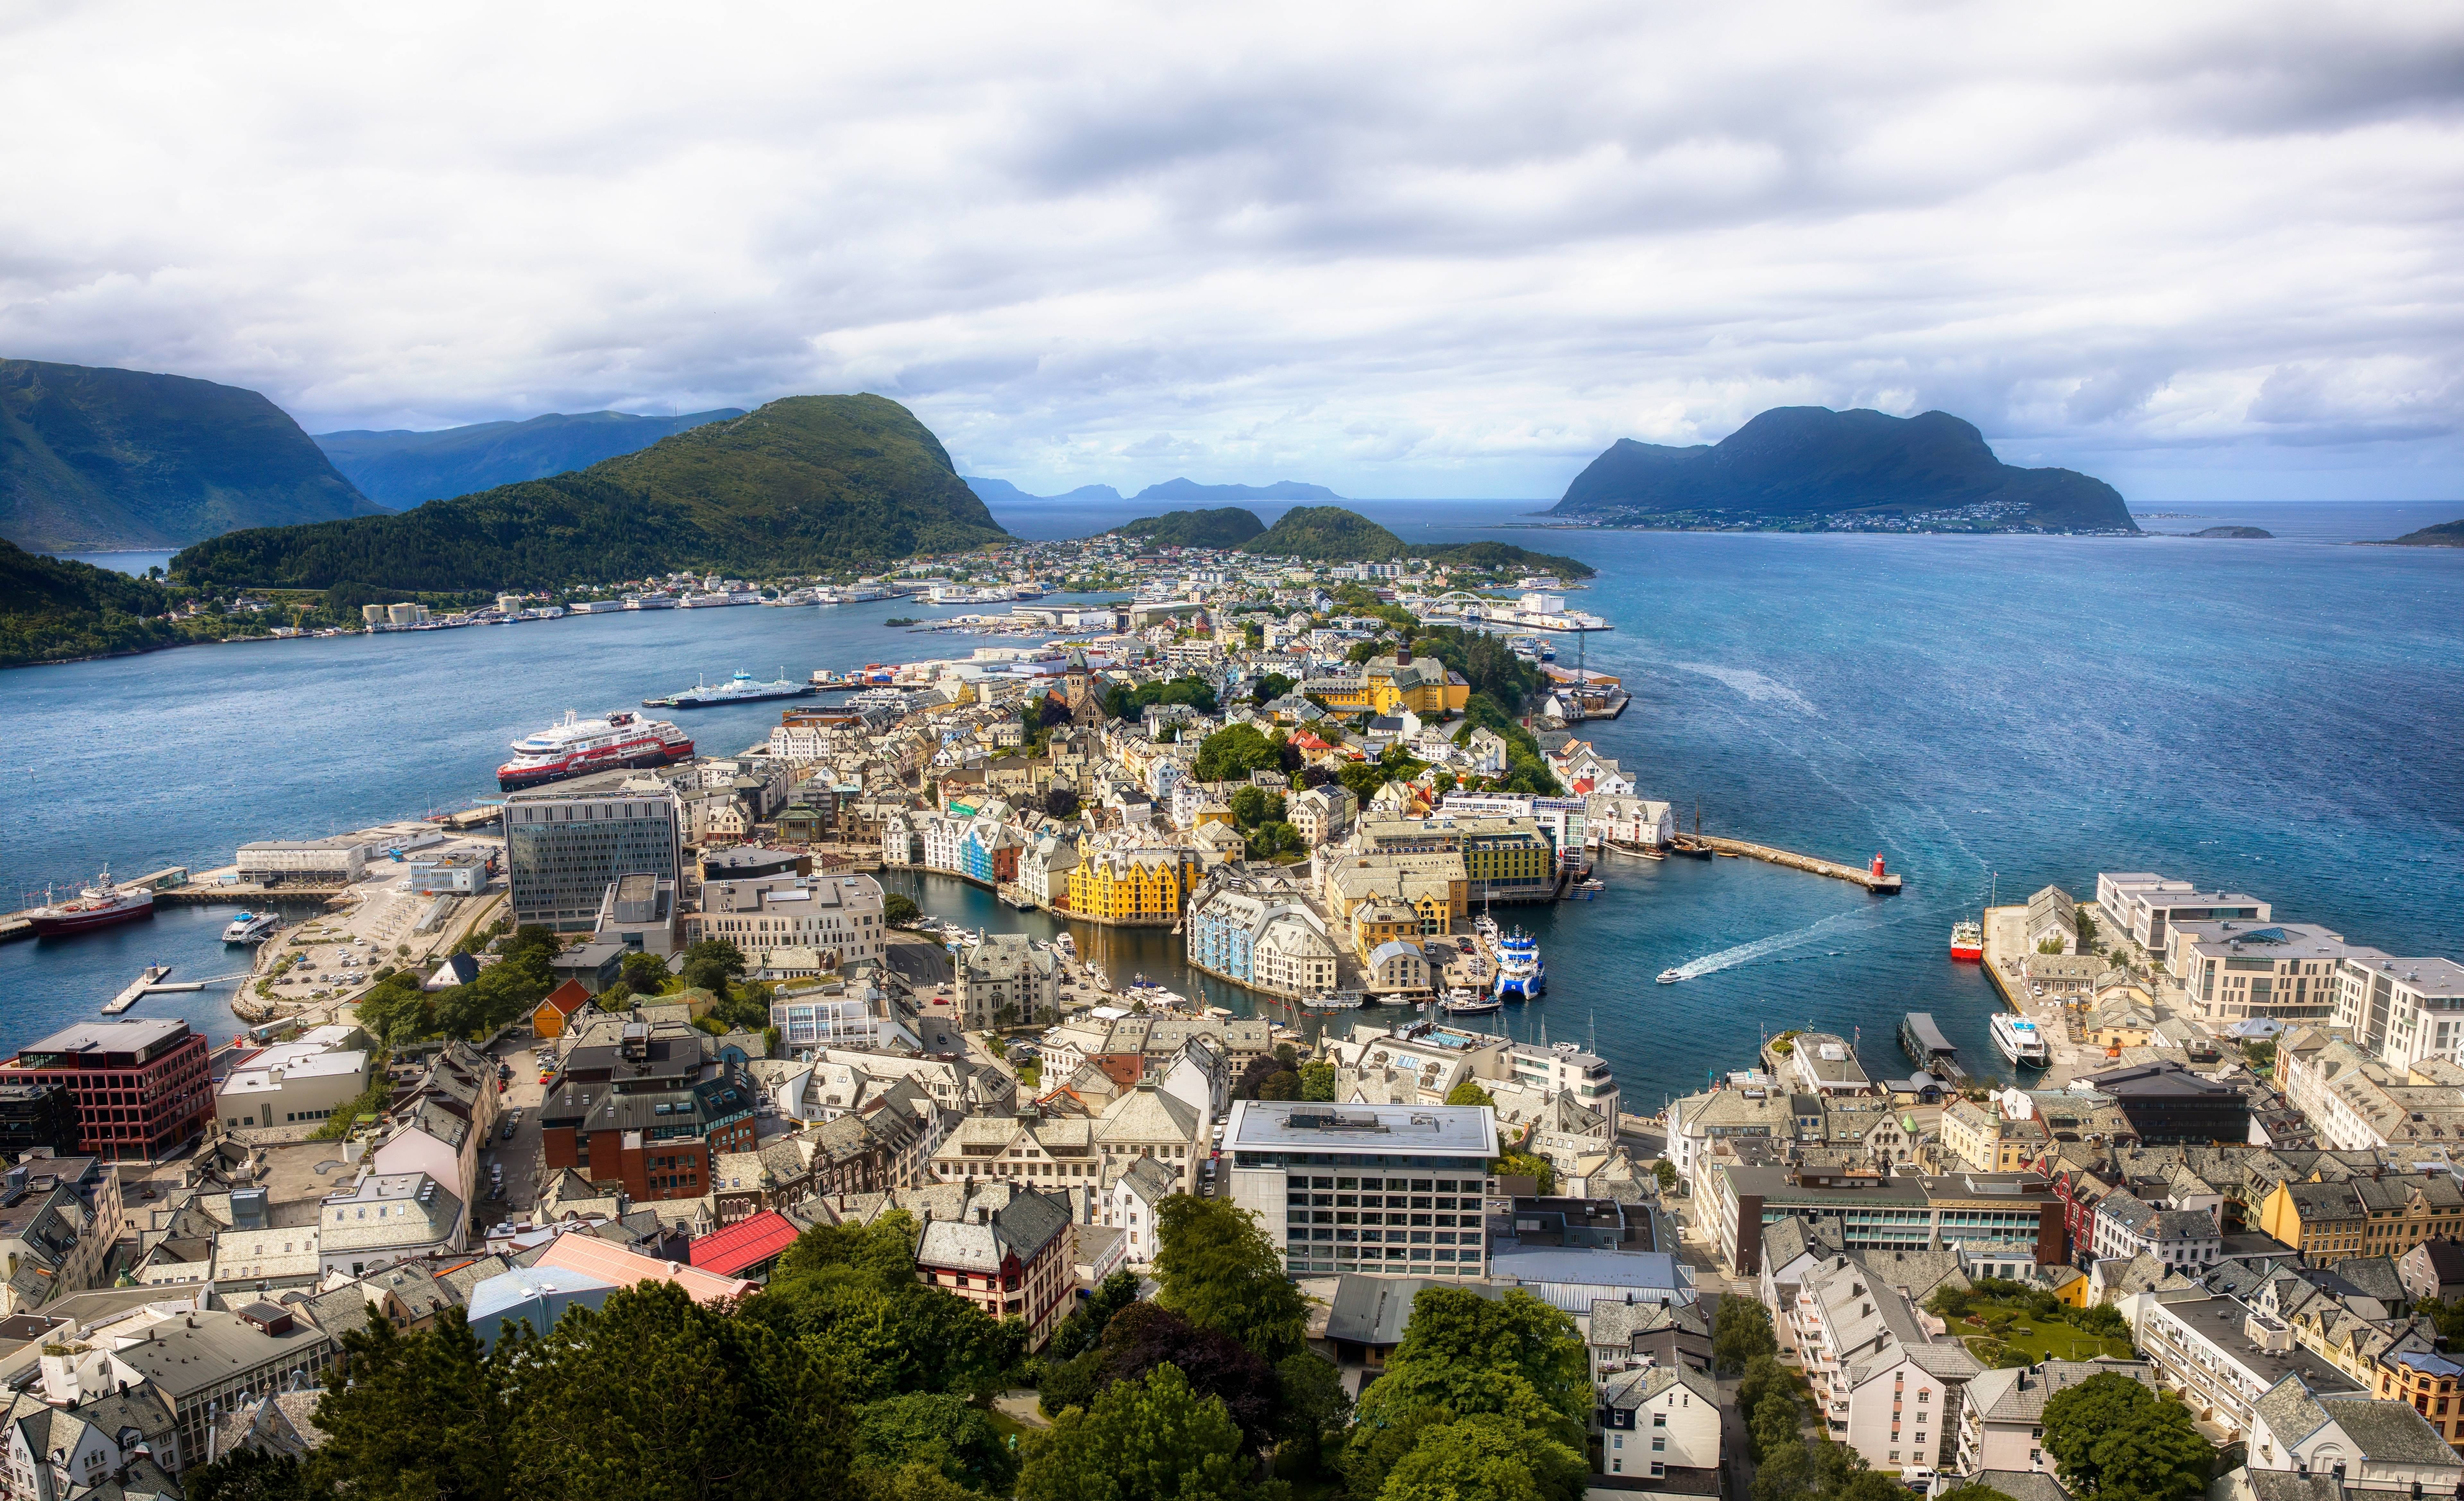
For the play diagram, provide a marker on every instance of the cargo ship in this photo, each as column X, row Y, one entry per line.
column 1968, row 941
column 576, row 747
column 740, row 688
column 101, row 905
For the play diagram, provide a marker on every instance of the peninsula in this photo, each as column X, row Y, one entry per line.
column 1812, row 469
column 2446, row 534
column 401, row 469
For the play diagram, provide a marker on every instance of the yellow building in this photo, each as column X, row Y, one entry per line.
column 1383, row 920
column 2362, row 1215
column 1132, row 885
column 1422, row 685
column 1342, row 695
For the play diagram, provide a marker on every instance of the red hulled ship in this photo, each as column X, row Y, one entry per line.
column 576, row 747
column 100, row 905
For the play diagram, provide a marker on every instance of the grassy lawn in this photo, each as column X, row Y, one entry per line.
column 2036, row 1338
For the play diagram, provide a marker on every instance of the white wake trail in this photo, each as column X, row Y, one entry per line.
column 1759, row 948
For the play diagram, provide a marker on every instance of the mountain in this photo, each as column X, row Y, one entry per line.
column 96, row 460
column 1227, row 527
column 1189, row 492
column 806, row 484
column 1801, row 464
column 2447, row 534
column 56, row 610
column 399, row 469
column 1324, row 534
column 1000, row 492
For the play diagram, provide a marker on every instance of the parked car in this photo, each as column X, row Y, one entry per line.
column 508, row 1130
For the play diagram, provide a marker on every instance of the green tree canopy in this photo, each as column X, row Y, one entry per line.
column 1231, row 753
column 1484, row 1456
column 1219, row 1272
column 2112, row 1437
column 947, row 1432
column 1317, row 1080
column 1741, row 1332
column 1469, row 1093
column 1148, row 1439
column 1512, row 1356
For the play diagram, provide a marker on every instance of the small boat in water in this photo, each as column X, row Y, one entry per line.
column 251, row 927
column 1670, row 977
column 1332, row 1001
column 1967, row 940
column 1470, row 1002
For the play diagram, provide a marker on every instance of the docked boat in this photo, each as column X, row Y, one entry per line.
column 2019, row 1040
column 251, row 927
column 1332, row 1001
column 1927, row 1048
column 1521, row 974
column 1968, row 941
column 101, row 905
column 1470, row 1002
column 576, row 747
column 1065, row 945
column 740, row 688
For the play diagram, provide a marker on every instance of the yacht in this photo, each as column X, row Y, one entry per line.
column 250, row 927
column 1461, row 1002
column 2019, row 1040
column 1521, row 976
column 1670, row 977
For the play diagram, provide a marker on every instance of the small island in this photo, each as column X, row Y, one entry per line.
column 2236, row 531
column 2447, row 534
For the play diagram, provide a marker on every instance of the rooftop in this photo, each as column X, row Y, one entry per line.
column 1361, row 1130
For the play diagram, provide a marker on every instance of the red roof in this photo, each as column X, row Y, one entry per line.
column 747, row 1243
column 568, row 998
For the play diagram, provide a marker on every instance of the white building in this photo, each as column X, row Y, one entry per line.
column 291, row 1083
column 385, row 1217
column 2232, row 971
column 2364, row 1442
column 2401, row 1010
column 314, row 862
column 2146, row 906
column 1879, row 1384
column 1130, row 1205
column 1658, row 1419
column 2187, row 1241
column 2002, row 1419
column 838, row 916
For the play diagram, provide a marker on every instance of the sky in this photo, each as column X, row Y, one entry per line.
column 2202, row 250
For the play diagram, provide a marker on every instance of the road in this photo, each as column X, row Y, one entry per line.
column 520, row 1156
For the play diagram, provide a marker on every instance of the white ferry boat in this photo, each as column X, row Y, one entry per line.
column 2019, row 1040
column 250, row 927
column 740, row 688
column 576, row 747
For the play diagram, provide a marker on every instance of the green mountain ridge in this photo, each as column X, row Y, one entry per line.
column 95, row 459
column 1331, row 534
column 1186, row 490
column 805, row 484
column 1802, row 464
column 1229, row 526
column 399, row 469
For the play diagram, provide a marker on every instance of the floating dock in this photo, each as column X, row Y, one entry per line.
column 1872, row 879
column 145, row 980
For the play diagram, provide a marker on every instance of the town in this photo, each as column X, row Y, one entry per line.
column 686, row 1024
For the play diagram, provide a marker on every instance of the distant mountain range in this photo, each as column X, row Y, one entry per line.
column 1000, row 492
column 101, row 460
column 806, row 484
column 1805, row 466
column 1172, row 491
column 401, row 469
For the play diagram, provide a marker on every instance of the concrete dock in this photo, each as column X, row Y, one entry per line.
column 145, row 982
column 1886, row 883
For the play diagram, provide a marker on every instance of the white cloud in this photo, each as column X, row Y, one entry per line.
column 1401, row 250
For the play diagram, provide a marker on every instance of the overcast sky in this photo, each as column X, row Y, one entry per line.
column 2203, row 251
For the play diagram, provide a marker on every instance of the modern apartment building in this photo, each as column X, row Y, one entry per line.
column 837, row 918
column 2232, row 971
column 2401, row 1011
column 1394, row 1190
column 1995, row 1213
column 568, row 841
column 2146, row 905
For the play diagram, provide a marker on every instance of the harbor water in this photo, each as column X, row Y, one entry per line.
column 2273, row 717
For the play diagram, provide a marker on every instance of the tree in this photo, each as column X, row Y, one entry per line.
column 1269, row 688
column 423, row 1416
column 1149, row 1440
column 1145, row 1336
column 1484, row 1456
column 245, row 1474
column 1523, row 1165
column 1249, row 806
column 1469, row 1093
column 1317, row 1080
column 1219, row 1272
column 1231, row 753
column 2112, row 1437
column 1741, row 1332
column 848, row 1295
column 1083, row 1329
column 1315, row 1407
column 958, row 1439
column 1665, row 1171
column 1281, row 1085
column 1515, row 1357
column 645, row 974
column 899, row 909
column 711, row 963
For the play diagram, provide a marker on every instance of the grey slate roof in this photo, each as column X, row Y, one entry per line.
column 2009, row 1395
column 1632, row 1388
column 2022, row 1485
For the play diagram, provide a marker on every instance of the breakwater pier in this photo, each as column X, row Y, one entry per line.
column 1873, row 878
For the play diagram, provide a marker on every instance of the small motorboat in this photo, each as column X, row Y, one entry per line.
column 1670, row 977
column 1471, row 1002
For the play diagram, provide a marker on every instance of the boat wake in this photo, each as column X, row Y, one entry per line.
column 1758, row 949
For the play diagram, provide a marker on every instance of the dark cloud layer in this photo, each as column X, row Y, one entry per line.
column 1407, row 250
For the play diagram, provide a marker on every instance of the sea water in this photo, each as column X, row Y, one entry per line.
column 1985, row 713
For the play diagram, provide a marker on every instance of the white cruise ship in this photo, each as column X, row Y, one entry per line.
column 2019, row 1040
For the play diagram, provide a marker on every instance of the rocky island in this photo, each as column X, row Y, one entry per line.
column 1814, row 468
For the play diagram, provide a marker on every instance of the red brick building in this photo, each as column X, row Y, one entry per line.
column 650, row 1113
column 141, row 1089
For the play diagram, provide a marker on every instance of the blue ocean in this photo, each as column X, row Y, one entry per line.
column 1985, row 713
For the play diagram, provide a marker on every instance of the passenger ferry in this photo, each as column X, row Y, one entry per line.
column 251, row 927
column 2020, row 1041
